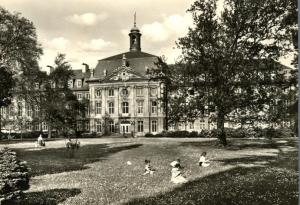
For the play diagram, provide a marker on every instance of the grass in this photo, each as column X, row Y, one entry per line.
column 248, row 172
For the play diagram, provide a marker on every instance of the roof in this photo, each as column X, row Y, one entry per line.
column 137, row 60
column 129, row 55
column 78, row 74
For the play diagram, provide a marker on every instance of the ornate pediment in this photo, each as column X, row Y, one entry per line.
column 123, row 73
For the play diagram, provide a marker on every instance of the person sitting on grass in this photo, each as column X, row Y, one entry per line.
column 177, row 161
column 202, row 161
column 40, row 141
column 72, row 144
column 148, row 168
column 176, row 175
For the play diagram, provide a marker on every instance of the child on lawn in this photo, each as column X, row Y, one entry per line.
column 148, row 168
column 176, row 175
column 202, row 161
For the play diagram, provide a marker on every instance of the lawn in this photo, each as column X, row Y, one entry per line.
column 248, row 172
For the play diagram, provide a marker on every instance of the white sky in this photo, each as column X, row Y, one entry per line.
column 88, row 30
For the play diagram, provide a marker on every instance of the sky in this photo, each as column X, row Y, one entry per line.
column 89, row 30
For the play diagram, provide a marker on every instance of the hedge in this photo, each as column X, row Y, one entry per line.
column 230, row 133
column 14, row 177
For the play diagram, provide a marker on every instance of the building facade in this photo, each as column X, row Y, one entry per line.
column 122, row 96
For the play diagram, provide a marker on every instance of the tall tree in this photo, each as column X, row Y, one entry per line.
column 59, row 107
column 19, row 54
column 231, row 54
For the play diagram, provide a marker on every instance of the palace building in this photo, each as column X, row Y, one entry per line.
column 121, row 93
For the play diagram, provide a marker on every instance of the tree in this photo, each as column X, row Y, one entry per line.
column 6, row 85
column 19, row 49
column 59, row 107
column 19, row 54
column 230, row 58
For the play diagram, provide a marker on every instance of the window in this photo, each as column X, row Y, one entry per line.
column 191, row 125
column 111, row 126
column 202, row 124
column 28, row 125
column 140, row 107
column 98, row 108
column 153, row 107
column 79, row 126
column 87, row 110
column 44, row 126
column 139, row 92
column 98, row 93
column 36, row 111
column 140, row 126
column 37, row 127
column 154, row 126
column 29, row 111
column 79, row 83
column 87, row 126
column 2, row 111
column 153, row 91
column 20, row 108
column 70, row 83
column 98, row 126
column 87, row 96
column 36, row 85
column 111, row 109
column 111, row 92
column 79, row 96
column 125, row 107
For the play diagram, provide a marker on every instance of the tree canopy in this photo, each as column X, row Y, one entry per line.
column 19, row 49
column 230, row 57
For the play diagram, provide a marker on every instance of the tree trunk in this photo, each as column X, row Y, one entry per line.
column 220, row 128
column 0, row 123
column 49, row 131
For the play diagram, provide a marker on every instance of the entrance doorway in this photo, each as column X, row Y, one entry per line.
column 125, row 128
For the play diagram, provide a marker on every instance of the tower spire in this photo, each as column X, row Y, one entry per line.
column 134, row 17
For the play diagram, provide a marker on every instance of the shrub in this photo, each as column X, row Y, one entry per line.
column 91, row 135
column 149, row 135
column 204, row 134
column 193, row 134
column 14, row 177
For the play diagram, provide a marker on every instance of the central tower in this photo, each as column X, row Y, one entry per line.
column 135, row 37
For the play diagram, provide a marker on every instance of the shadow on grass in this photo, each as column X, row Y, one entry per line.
column 273, row 183
column 240, row 144
column 57, row 160
column 49, row 197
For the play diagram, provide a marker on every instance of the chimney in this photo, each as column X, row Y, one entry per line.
column 92, row 73
column 85, row 68
column 51, row 69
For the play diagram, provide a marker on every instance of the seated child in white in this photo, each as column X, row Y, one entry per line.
column 176, row 175
column 202, row 161
column 148, row 168
column 40, row 141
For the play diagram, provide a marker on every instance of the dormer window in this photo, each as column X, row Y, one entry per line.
column 70, row 83
column 37, row 85
column 79, row 83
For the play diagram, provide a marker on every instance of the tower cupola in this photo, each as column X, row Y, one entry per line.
column 135, row 37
